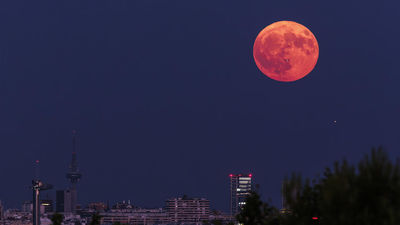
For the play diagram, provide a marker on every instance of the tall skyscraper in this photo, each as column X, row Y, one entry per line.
column 241, row 185
column 73, row 176
column 64, row 201
column 68, row 198
column 60, row 201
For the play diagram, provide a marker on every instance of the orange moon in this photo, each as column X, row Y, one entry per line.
column 286, row 51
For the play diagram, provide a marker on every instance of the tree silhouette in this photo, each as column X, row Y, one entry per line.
column 217, row 222
column 57, row 219
column 366, row 194
column 256, row 212
column 96, row 219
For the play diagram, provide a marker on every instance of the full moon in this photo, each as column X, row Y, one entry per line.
column 286, row 51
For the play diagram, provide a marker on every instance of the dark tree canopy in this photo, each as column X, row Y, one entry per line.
column 365, row 194
column 57, row 219
column 96, row 219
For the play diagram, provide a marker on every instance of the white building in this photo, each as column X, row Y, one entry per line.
column 188, row 210
column 135, row 216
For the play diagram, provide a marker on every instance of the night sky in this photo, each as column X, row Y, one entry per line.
column 167, row 99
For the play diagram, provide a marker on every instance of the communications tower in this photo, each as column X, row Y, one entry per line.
column 73, row 175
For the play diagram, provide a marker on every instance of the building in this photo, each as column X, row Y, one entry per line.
column 60, row 201
column 124, row 205
column 17, row 217
column 47, row 204
column 27, row 207
column 188, row 210
column 64, row 201
column 241, row 185
column 98, row 206
column 135, row 216
column 221, row 217
column 68, row 205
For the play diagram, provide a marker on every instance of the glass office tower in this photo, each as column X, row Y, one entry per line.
column 241, row 185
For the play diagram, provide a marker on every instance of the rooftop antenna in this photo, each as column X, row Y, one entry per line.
column 36, row 177
column 74, row 141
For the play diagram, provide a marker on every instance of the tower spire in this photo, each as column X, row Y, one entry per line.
column 73, row 141
column 36, row 176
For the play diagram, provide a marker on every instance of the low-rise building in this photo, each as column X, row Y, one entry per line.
column 220, row 216
column 47, row 205
column 16, row 215
column 27, row 207
column 135, row 216
column 97, row 206
column 124, row 205
column 188, row 210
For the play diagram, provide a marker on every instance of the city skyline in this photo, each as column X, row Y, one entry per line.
column 177, row 210
column 62, row 200
column 76, row 176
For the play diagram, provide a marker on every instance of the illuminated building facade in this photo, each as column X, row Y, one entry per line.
column 188, row 210
column 241, row 185
column 135, row 216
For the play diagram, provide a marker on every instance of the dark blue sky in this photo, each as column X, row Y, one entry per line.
column 167, row 99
